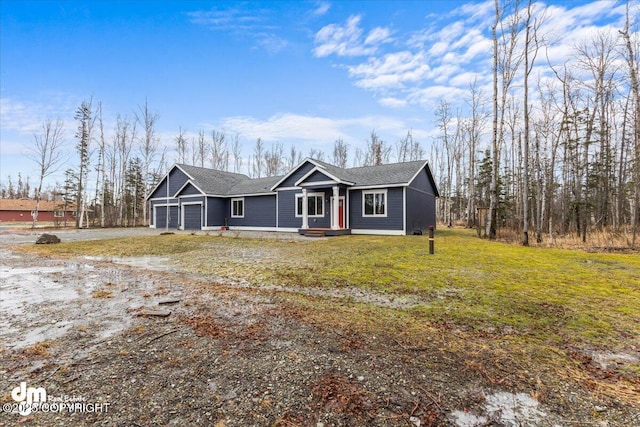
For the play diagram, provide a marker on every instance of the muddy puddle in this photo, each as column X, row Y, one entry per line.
column 43, row 300
column 503, row 408
column 148, row 262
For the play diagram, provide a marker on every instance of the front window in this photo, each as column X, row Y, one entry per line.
column 58, row 214
column 315, row 204
column 237, row 208
column 374, row 203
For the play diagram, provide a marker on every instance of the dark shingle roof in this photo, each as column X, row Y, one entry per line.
column 256, row 185
column 387, row 174
column 215, row 182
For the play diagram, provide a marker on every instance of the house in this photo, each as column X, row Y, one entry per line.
column 398, row 198
column 22, row 210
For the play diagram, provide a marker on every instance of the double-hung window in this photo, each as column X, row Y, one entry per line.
column 237, row 208
column 315, row 204
column 374, row 203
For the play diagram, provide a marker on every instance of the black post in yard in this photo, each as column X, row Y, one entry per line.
column 431, row 242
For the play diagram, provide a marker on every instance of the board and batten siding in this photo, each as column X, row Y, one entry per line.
column 217, row 210
column 294, row 177
column 189, row 190
column 287, row 209
column 317, row 176
column 177, row 179
column 392, row 221
column 259, row 211
column 421, row 203
column 420, row 211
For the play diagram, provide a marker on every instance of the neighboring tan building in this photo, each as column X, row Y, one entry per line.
column 22, row 210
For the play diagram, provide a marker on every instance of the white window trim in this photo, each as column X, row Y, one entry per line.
column 237, row 199
column 309, row 195
column 386, row 203
column 58, row 214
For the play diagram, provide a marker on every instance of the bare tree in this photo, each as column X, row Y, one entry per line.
column 201, row 149
column 531, row 47
column 257, row 159
column 273, row 160
column 443, row 120
column 181, row 146
column 377, row 152
column 473, row 129
column 148, row 150
column 124, row 138
column 316, row 153
column 219, row 151
column 505, row 63
column 340, row 153
column 101, row 168
column 632, row 63
column 236, row 152
column 47, row 154
column 408, row 149
column 293, row 158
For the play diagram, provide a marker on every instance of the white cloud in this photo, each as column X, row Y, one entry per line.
column 311, row 131
column 346, row 40
column 393, row 102
column 378, row 35
column 322, row 8
column 243, row 22
column 27, row 116
column 390, row 71
column 271, row 43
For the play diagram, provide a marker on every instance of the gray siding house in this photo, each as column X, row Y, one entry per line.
column 397, row 198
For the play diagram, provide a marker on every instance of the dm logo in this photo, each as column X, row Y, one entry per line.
column 27, row 396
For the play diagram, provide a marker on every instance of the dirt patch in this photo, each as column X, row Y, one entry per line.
column 231, row 355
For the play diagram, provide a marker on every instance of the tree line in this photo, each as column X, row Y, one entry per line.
column 562, row 154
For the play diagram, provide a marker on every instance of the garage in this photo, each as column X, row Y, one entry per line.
column 160, row 219
column 192, row 216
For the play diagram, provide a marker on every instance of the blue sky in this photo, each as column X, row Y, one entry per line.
column 290, row 72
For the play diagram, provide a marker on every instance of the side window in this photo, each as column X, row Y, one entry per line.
column 237, row 208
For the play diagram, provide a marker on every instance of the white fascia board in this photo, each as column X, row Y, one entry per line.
column 272, row 193
column 183, row 171
column 373, row 187
column 155, row 199
column 165, row 204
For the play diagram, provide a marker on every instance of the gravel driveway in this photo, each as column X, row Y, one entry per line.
column 19, row 236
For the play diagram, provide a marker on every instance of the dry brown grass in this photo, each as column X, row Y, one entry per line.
column 101, row 293
column 39, row 349
column 204, row 325
column 605, row 240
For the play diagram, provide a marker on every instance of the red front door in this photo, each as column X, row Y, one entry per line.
column 340, row 212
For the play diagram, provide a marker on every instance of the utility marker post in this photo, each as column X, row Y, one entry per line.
column 431, row 240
